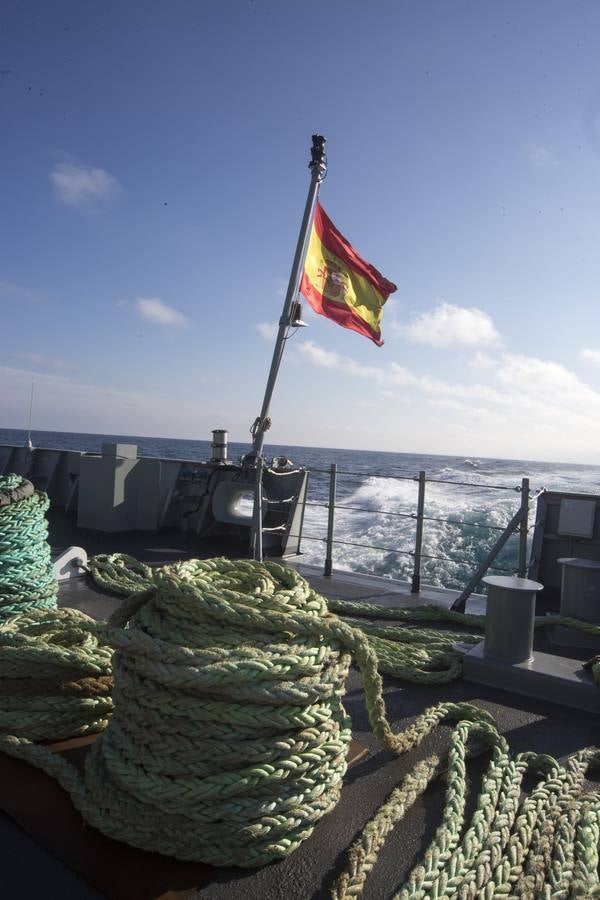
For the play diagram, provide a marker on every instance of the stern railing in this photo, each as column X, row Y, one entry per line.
column 518, row 524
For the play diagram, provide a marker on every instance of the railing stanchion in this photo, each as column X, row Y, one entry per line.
column 416, row 578
column 330, row 519
column 523, row 528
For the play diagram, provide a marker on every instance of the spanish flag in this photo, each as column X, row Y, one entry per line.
column 341, row 285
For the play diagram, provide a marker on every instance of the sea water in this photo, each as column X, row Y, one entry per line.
column 467, row 501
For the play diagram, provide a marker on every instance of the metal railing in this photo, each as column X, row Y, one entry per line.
column 518, row 524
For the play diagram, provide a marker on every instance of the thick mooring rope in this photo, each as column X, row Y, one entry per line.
column 228, row 743
column 55, row 675
column 424, row 655
column 543, row 845
column 419, row 655
column 27, row 579
column 229, row 738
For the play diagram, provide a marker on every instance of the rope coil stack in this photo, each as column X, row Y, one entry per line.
column 55, row 676
column 422, row 655
column 27, row 579
column 229, row 738
column 228, row 743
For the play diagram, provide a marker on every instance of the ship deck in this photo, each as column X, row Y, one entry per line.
column 30, row 869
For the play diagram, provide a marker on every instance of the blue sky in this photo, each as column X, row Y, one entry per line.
column 154, row 174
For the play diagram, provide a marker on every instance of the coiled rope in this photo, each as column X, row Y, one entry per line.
column 27, row 579
column 424, row 655
column 55, row 676
column 228, row 743
column 419, row 655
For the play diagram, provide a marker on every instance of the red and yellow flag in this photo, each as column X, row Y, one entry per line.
column 341, row 285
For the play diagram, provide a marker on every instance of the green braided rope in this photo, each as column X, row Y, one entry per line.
column 55, row 675
column 27, row 579
column 419, row 655
column 544, row 846
column 412, row 654
column 440, row 613
column 229, row 739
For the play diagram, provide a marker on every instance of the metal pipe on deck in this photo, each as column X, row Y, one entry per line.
column 416, row 578
column 330, row 519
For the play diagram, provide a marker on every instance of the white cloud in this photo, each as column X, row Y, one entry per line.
column 67, row 404
column 63, row 403
column 482, row 361
column 531, row 408
column 154, row 310
column 448, row 324
column 328, row 359
column 83, row 185
column 590, row 354
column 44, row 362
column 267, row 330
column 540, row 157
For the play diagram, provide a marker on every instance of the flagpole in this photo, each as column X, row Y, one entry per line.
column 318, row 169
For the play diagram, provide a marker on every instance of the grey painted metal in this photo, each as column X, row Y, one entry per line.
column 330, row 519
column 580, row 589
column 416, row 576
column 523, row 528
column 258, row 511
column 509, row 618
column 562, row 636
column 460, row 602
column 549, row 545
column 120, row 451
column 119, row 492
column 546, row 677
column 317, row 168
column 576, row 518
column 291, row 544
column 219, row 445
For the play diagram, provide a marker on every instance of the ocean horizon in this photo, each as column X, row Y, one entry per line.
column 378, row 491
column 20, row 435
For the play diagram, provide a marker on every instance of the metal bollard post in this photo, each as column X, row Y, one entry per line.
column 330, row 519
column 416, row 577
column 523, row 527
column 509, row 618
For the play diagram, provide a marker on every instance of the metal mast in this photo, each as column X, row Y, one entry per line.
column 29, row 444
column 318, row 170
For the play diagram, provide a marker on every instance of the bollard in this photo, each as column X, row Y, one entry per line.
column 510, row 618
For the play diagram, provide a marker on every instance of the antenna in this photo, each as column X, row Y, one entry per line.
column 29, row 444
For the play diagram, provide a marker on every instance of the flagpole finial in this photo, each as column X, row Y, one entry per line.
column 318, row 158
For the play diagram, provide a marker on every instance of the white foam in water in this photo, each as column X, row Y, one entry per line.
column 458, row 548
column 466, row 545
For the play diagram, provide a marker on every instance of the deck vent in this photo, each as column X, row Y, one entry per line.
column 219, row 445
